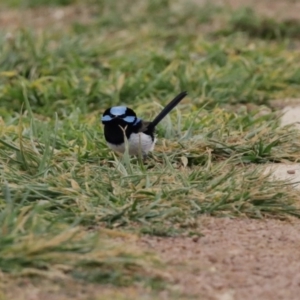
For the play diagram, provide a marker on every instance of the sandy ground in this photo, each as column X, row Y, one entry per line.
column 291, row 115
column 235, row 259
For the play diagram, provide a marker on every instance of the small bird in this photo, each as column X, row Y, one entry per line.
column 120, row 121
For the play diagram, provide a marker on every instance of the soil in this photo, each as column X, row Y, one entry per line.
column 290, row 171
column 235, row 259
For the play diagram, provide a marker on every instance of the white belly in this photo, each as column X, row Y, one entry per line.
column 138, row 143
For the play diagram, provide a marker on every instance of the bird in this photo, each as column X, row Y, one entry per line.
column 121, row 121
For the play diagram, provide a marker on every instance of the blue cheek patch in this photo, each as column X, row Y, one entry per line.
column 106, row 118
column 118, row 110
column 129, row 119
column 137, row 121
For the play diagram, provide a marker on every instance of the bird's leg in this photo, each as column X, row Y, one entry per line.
column 145, row 156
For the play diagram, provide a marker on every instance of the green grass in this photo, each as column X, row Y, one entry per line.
column 248, row 21
column 66, row 199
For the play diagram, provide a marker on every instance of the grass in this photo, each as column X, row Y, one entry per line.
column 248, row 21
column 69, row 207
column 36, row 3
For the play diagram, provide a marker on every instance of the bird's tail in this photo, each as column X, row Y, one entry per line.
column 167, row 109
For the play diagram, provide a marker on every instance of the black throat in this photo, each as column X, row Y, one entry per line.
column 114, row 131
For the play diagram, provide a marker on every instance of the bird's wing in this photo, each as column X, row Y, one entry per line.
column 144, row 126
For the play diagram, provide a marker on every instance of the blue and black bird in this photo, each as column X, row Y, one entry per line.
column 120, row 121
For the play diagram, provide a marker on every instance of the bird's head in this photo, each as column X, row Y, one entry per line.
column 120, row 115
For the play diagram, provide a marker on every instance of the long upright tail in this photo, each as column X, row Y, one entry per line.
column 167, row 109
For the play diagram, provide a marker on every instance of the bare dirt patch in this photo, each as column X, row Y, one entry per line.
column 287, row 171
column 291, row 115
column 28, row 289
column 235, row 259
column 45, row 17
